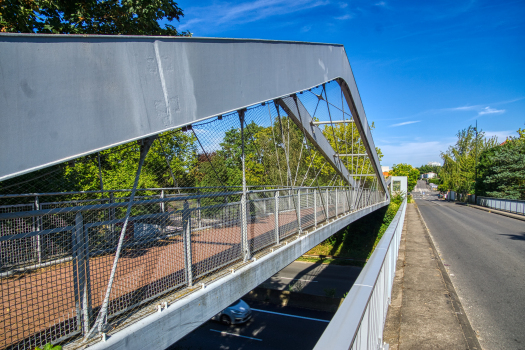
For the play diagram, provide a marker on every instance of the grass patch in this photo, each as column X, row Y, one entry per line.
column 333, row 261
column 358, row 240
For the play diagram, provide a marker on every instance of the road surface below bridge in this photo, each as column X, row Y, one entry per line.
column 484, row 254
column 271, row 327
column 315, row 279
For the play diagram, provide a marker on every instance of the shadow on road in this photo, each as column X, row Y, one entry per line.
column 518, row 237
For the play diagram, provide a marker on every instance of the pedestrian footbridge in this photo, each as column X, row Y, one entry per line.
column 149, row 182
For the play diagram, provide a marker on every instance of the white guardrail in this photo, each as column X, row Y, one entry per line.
column 510, row 205
column 359, row 321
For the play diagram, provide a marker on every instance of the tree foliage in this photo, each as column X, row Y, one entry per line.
column 278, row 154
column 127, row 17
column 502, row 169
column 459, row 161
column 429, row 169
column 345, row 139
column 407, row 170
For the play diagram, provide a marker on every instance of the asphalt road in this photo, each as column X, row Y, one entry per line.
column 271, row 327
column 485, row 257
column 316, row 279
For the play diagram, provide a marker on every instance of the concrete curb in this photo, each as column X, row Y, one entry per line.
column 499, row 212
column 301, row 300
column 468, row 332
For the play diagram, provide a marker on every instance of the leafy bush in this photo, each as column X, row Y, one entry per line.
column 359, row 239
column 435, row 181
column 49, row 346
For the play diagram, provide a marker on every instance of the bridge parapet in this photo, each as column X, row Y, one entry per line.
column 359, row 321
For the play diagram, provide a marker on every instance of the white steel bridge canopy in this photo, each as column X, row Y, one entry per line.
column 64, row 96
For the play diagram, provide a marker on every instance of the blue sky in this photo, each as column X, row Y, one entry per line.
column 425, row 69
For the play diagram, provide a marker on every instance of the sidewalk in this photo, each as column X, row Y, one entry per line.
column 499, row 212
column 425, row 312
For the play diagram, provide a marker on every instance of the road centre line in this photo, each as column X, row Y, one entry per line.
column 294, row 279
column 236, row 335
column 278, row 313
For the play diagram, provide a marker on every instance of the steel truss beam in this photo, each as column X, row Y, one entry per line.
column 298, row 113
column 66, row 96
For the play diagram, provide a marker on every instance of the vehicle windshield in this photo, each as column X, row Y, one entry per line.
column 235, row 303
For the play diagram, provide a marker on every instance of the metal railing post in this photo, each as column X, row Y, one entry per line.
column 307, row 195
column 336, row 202
column 76, row 284
column 162, row 210
column 87, row 282
column 299, row 210
column 245, row 248
column 199, row 214
column 315, row 208
column 277, row 217
column 38, row 228
column 111, row 213
column 327, row 205
column 186, row 230
column 82, row 273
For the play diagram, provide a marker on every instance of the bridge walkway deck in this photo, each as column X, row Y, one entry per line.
column 425, row 312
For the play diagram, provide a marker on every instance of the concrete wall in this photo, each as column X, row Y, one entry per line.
column 401, row 181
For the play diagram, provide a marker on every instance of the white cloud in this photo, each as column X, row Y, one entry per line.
column 405, row 123
column 381, row 3
column 465, row 108
column 481, row 109
column 501, row 135
column 414, row 153
column 342, row 18
column 488, row 110
column 221, row 14
column 306, row 29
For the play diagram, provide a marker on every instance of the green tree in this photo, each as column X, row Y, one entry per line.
column 407, row 170
column 459, row 161
column 502, row 169
column 345, row 139
column 127, row 17
column 429, row 169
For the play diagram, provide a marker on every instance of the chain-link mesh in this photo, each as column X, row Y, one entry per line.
column 87, row 244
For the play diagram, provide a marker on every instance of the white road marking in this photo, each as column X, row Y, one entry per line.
column 278, row 313
column 294, row 279
column 235, row 335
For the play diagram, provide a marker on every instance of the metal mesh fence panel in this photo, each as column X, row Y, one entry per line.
column 320, row 206
column 307, row 209
column 24, row 249
column 217, row 244
column 261, row 224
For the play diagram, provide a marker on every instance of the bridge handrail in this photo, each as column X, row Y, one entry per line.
column 168, row 198
column 502, row 204
column 272, row 188
column 359, row 321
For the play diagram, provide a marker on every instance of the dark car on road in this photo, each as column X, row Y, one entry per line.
column 238, row 312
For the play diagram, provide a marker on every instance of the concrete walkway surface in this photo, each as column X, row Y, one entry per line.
column 425, row 311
